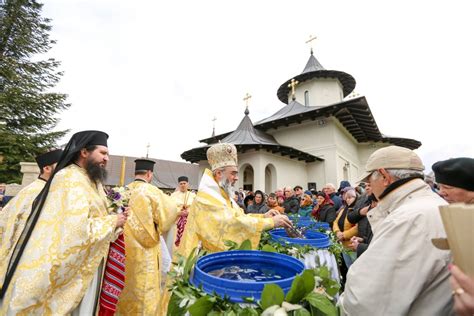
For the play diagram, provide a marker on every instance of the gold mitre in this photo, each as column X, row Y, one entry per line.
column 222, row 155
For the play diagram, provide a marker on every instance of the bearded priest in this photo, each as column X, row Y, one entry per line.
column 55, row 268
column 214, row 217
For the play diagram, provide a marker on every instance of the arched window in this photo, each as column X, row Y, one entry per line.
column 306, row 98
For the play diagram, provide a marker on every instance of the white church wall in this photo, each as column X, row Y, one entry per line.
column 347, row 154
column 365, row 150
column 316, row 172
column 285, row 171
column 321, row 92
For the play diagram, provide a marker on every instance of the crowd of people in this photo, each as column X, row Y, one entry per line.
column 65, row 249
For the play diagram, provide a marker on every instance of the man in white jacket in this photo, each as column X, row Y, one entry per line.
column 401, row 273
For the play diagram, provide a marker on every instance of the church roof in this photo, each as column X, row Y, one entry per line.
column 354, row 115
column 247, row 137
column 314, row 69
column 165, row 175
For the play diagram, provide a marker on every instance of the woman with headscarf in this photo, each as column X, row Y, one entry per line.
column 324, row 211
column 259, row 206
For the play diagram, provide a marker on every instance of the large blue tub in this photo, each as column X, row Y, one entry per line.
column 244, row 273
column 313, row 239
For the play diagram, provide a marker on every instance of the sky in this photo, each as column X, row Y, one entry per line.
column 158, row 72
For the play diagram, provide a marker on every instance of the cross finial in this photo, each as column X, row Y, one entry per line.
column 214, row 126
column 311, row 38
column 147, row 149
column 292, row 85
column 246, row 99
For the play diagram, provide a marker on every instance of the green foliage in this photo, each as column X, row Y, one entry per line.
column 297, row 290
column 246, row 245
column 28, row 105
column 322, row 303
column 201, row 307
column 272, row 294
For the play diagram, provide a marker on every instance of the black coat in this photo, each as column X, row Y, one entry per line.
column 291, row 205
column 327, row 214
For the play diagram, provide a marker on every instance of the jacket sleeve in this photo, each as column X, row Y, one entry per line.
column 399, row 251
column 354, row 217
column 330, row 215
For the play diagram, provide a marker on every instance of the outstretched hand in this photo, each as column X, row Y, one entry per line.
column 271, row 213
column 281, row 220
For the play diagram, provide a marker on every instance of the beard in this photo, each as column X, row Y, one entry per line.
column 227, row 186
column 95, row 172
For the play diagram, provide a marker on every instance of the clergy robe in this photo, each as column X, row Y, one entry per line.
column 68, row 243
column 180, row 198
column 151, row 213
column 13, row 219
column 214, row 217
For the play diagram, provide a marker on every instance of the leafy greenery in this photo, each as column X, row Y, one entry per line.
column 27, row 103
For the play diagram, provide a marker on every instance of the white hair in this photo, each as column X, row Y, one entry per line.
column 330, row 185
column 399, row 174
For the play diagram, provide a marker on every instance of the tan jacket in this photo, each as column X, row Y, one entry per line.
column 402, row 273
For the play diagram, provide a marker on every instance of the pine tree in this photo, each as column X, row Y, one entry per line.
column 27, row 104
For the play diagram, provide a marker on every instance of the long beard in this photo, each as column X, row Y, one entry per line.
column 95, row 172
column 227, row 186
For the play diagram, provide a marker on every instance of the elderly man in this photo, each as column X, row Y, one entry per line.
column 456, row 179
column 14, row 215
column 456, row 185
column 57, row 263
column 401, row 273
column 214, row 216
column 291, row 203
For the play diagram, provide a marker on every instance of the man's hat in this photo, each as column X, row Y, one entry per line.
column 144, row 165
column 392, row 157
column 48, row 158
column 222, row 155
column 456, row 172
column 183, row 178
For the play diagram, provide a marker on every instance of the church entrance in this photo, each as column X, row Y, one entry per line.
column 248, row 177
column 270, row 178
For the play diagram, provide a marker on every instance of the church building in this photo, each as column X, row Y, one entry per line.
column 320, row 135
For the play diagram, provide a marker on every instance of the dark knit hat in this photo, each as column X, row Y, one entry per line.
column 456, row 172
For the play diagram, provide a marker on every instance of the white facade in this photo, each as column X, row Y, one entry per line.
column 319, row 92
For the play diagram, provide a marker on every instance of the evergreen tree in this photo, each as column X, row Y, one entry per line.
column 27, row 104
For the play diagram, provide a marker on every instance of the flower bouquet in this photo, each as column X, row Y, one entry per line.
column 118, row 198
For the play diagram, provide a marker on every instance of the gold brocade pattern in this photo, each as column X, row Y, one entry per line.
column 151, row 213
column 70, row 239
column 12, row 222
column 214, row 218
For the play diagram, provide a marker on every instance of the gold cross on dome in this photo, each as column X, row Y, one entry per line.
column 247, row 98
column 311, row 39
column 292, row 85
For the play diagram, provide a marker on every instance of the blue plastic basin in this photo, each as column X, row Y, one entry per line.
column 272, row 264
column 304, row 221
column 313, row 239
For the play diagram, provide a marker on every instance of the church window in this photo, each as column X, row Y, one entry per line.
column 306, row 98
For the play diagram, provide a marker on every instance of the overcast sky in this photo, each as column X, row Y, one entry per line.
column 158, row 71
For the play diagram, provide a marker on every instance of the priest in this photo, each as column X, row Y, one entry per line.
column 56, row 265
column 215, row 217
column 14, row 214
column 152, row 212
